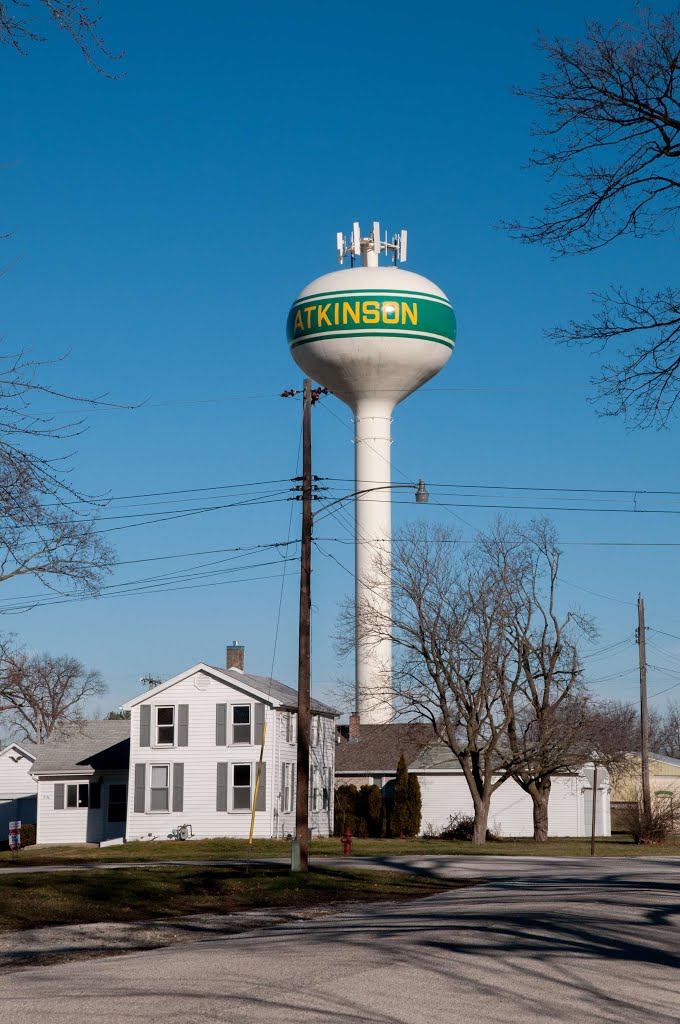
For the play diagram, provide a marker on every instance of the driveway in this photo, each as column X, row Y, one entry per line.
column 542, row 941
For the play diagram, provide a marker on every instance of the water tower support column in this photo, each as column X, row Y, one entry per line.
column 373, row 521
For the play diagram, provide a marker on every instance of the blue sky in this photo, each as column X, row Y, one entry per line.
column 162, row 225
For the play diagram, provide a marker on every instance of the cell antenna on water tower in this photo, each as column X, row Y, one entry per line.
column 368, row 249
column 372, row 335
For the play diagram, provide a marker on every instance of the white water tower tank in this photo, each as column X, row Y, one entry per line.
column 372, row 335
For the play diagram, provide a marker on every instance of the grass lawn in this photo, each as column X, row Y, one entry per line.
column 137, row 894
column 225, row 849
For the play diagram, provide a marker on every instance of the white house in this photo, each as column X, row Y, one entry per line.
column 195, row 744
column 370, row 754
column 187, row 755
column 18, row 788
column 82, row 776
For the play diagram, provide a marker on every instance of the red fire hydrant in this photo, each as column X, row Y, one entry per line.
column 347, row 842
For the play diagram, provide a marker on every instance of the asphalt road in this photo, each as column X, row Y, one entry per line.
column 549, row 940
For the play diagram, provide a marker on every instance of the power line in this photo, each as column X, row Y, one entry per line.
column 135, row 592
column 522, row 487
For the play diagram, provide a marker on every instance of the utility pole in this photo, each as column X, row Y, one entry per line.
column 593, row 819
column 304, row 655
column 644, row 721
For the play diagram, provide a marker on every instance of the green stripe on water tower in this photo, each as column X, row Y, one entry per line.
column 377, row 313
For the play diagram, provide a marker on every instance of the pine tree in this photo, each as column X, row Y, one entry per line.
column 399, row 822
column 415, row 805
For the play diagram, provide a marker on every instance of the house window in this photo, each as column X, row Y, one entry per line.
column 165, row 727
column 317, row 795
column 117, row 801
column 287, row 788
column 159, row 787
column 240, row 799
column 315, row 730
column 326, row 794
column 240, row 723
column 290, row 727
column 78, row 795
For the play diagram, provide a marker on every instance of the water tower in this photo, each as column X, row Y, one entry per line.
column 372, row 335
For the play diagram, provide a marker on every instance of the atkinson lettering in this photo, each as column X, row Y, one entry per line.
column 357, row 313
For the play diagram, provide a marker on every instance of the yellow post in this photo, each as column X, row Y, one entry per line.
column 257, row 784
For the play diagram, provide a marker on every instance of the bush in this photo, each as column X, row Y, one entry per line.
column 653, row 828
column 27, row 835
column 346, row 807
column 415, row 805
column 462, row 826
column 371, row 809
column 399, row 818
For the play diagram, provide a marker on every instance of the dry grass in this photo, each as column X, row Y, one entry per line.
column 137, row 894
column 236, row 849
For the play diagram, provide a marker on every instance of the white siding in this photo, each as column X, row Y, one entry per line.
column 203, row 692
column 17, row 789
column 74, row 824
column 284, row 822
column 322, row 761
column 447, row 793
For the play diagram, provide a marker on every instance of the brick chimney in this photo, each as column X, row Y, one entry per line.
column 236, row 653
column 354, row 727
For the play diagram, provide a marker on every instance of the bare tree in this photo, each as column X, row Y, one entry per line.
column 549, row 709
column 453, row 665
column 608, row 142
column 666, row 739
column 623, row 720
column 43, row 691
column 20, row 25
column 485, row 652
column 47, row 525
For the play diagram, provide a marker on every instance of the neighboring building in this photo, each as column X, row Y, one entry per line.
column 195, row 746
column 445, row 792
column 82, row 775
column 18, row 788
column 370, row 754
column 664, row 779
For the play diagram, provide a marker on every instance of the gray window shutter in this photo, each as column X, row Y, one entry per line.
column 259, row 723
column 95, row 795
column 222, row 785
column 178, row 786
column 182, row 725
column 59, row 796
column 145, row 726
column 261, row 804
column 140, row 788
column 221, row 725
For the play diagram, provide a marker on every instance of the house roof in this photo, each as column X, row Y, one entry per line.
column 29, row 749
column 85, row 748
column 663, row 759
column 285, row 695
column 379, row 747
column 271, row 690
